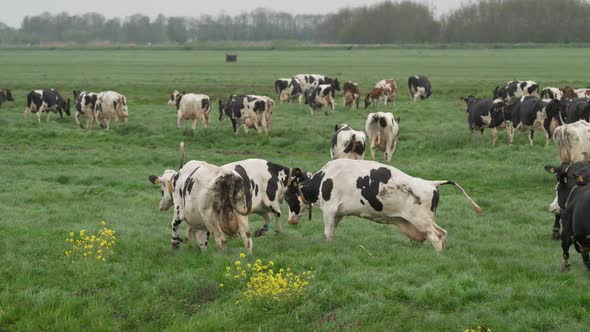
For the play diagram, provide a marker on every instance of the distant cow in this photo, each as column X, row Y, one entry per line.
column 265, row 186
column 263, row 117
column 573, row 198
column 376, row 192
column 310, row 81
column 320, row 96
column 571, row 110
column 351, row 94
column 5, row 95
column 419, row 86
column 516, row 89
column 582, row 93
column 390, row 86
column 485, row 113
column 39, row 101
column 568, row 92
column 110, row 105
column 209, row 198
column 85, row 102
column 347, row 143
column 191, row 106
column 383, row 131
column 288, row 89
column 528, row 113
column 551, row 93
column 246, row 111
column 376, row 94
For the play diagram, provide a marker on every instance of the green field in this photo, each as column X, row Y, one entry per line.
column 500, row 269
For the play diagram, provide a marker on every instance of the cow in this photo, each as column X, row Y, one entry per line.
column 516, row 89
column 39, row 101
column 5, row 95
column 209, row 198
column 310, row 81
column 551, row 93
column 320, row 96
column 568, row 92
column 110, row 105
column 575, row 109
column 419, row 86
column 582, row 93
column 191, row 106
column 85, row 102
column 528, row 113
column 573, row 198
column 373, row 191
column 288, row 89
column 263, row 117
column 376, row 94
column 265, row 186
column 246, row 111
column 347, row 143
column 389, row 85
column 485, row 113
column 383, row 131
column 351, row 94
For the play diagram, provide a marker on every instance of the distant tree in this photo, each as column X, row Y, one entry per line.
column 177, row 31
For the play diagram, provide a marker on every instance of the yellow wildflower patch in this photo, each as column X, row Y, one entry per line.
column 83, row 244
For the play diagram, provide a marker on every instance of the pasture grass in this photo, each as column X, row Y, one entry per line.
column 501, row 269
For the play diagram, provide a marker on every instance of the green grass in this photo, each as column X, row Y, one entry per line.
column 500, row 269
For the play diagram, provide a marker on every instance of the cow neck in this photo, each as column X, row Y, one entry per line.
column 569, row 196
column 309, row 206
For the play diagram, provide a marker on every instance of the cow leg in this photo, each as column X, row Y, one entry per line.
column 26, row 113
column 373, row 145
column 585, row 252
column 510, row 130
column 202, row 237
column 206, row 118
column 547, row 136
column 531, row 133
column 191, row 236
column 107, row 123
column 48, row 115
column 39, row 117
column 179, row 120
column 330, row 222
column 175, row 241
column 555, row 234
column 116, row 122
column 194, row 126
column 311, row 110
column 565, row 246
column 244, row 231
column 494, row 132
column 221, row 240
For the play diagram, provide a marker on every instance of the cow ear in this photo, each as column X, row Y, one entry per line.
column 336, row 127
column 154, row 179
column 551, row 169
column 398, row 120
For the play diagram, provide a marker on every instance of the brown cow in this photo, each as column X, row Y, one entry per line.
column 375, row 95
column 568, row 92
column 351, row 94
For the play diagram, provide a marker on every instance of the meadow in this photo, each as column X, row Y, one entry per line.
column 500, row 269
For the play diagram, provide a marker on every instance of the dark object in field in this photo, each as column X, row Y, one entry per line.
column 5, row 95
column 231, row 58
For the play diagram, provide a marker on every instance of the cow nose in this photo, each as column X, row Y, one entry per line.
column 293, row 221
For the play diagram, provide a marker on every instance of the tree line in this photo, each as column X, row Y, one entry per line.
column 500, row 21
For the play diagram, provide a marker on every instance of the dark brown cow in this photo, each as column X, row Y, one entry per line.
column 351, row 94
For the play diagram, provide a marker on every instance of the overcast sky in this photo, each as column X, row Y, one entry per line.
column 12, row 12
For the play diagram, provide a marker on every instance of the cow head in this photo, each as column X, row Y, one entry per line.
column 367, row 100
column 568, row 176
column 497, row 113
column 7, row 95
column 469, row 99
column 500, row 93
column 336, row 84
column 165, row 182
column 65, row 105
column 293, row 197
column 172, row 100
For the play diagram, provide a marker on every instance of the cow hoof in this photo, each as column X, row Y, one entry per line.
column 175, row 245
column 555, row 235
column 259, row 232
column 565, row 267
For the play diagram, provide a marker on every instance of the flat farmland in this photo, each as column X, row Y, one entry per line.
column 500, row 269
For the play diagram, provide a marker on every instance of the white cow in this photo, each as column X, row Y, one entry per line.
column 209, row 198
column 191, row 106
column 373, row 191
column 347, row 143
column 110, row 105
column 573, row 141
column 382, row 130
column 551, row 93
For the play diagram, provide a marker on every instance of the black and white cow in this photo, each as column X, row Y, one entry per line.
column 516, row 89
column 310, row 81
column 551, row 93
column 85, row 102
column 528, row 112
column 209, row 198
column 191, row 106
column 265, row 186
column 288, row 89
column 5, row 95
column 320, row 96
column 347, row 143
column 573, row 198
column 419, row 86
column 575, row 109
column 374, row 191
column 485, row 113
column 39, row 101
column 244, row 110
column 110, row 105
column 382, row 130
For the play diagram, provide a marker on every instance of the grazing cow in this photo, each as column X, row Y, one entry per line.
column 321, row 95
column 263, row 118
column 485, row 113
column 377, row 94
column 110, row 105
column 5, row 95
column 419, row 86
column 351, row 94
column 373, row 191
column 391, row 86
column 265, row 186
column 39, row 101
column 191, row 106
column 310, row 81
column 516, row 89
column 528, row 113
column 209, row 198
column 582, row 93
column 85, row 102
column 288, row 89
column 382, row 130
column 573, row 198
column 246, row 111
column 347, row 143
column 551, row 93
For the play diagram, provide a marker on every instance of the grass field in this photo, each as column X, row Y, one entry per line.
column 501, row 269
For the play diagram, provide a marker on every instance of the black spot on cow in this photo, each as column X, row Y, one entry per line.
column 362, row 202
column 273, row 183
column 434, row 203
column 327, row 187
column 205, row 103
column 311, row 189
column 382, row 122
column 174, row 179
column 256, row 190
column 369, row 186
column 247, row 185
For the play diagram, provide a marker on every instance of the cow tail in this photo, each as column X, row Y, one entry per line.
column 277, row 87
column 474, row 205
column 181, row 155
column 29, row 101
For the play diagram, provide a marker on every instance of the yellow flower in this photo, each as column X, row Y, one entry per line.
column 220, row 285
column 238, row 263
column 104, row 223
column 72, row 234
column 227, row 268
column 242, row 255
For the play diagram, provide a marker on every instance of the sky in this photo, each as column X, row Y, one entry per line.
column 13, row 13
